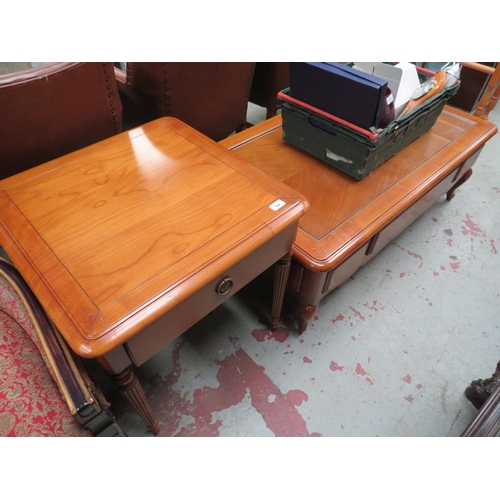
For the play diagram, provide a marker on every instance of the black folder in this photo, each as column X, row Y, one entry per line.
column 340, row 90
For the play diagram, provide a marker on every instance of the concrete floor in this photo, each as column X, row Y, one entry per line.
column 390, row 352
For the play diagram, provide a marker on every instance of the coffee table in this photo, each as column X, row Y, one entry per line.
column 129, row 242
column 351, row 221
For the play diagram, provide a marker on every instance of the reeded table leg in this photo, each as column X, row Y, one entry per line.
column 281, row 271
column 132, row 391
column 451, row 193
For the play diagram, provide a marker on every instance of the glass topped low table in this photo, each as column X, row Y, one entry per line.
column 129, row 242
column 350, row 221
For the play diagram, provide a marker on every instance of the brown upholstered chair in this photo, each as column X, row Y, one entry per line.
column 211, row 97
column 44, row 389
column 269, row 78
column 55, row 109
column 491, row 93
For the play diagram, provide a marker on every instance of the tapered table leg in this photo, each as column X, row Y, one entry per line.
column 131, row 389
column 281, row 272
column 304, row 314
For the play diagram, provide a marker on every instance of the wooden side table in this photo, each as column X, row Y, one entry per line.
column 351, row 221
column 129, row 242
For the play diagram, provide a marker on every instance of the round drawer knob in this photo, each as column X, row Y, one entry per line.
column 225, row 286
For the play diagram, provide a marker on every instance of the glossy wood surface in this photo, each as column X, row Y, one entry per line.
column 113, row 236
column 345, row 213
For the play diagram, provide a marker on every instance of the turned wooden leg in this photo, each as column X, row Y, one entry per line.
column 281, row 271
column 304, row 315
column 131, row 389
column 451, row 193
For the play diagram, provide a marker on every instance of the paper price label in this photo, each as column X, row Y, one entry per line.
column 277, row 205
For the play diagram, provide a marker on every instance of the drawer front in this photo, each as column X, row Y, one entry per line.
column 160, row 333
column 410, row 215
column 308, row 287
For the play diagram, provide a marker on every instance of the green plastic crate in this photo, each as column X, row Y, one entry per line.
column 348, row 148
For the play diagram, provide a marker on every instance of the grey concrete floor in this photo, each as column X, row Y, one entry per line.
column 390, row 352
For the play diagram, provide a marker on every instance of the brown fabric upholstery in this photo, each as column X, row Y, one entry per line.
column 54, row 109
column 269, row 79
column 472, row 86
column 211, row 97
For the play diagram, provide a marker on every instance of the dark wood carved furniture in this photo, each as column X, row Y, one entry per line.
column 44, row 389
column 484, row 394
column 351, row 221
column 129, row 242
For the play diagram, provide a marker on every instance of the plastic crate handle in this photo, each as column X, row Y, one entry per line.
column 325, row 127
column 367, row 133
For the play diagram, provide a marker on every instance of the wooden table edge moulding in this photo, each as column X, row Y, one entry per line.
column 351, row 221
column 129, row 242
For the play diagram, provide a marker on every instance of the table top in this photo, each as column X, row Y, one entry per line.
column 114, row 235
column 346, row 212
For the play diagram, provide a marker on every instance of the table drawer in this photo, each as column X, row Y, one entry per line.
column 403, row 221
column 308, row 287
column 175, row 322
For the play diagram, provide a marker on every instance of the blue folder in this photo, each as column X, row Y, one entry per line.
column 347, row 93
